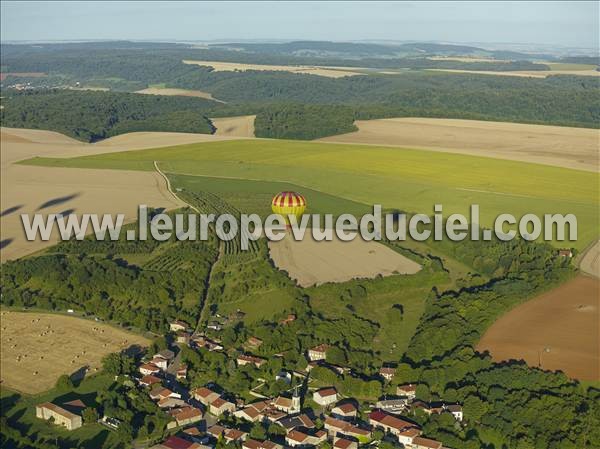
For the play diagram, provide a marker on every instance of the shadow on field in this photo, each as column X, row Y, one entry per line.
column 10, row 210
column 59, row 200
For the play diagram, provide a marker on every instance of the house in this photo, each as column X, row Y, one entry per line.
column 166, row 354
column 456, row 410
column 204, row 395
column 325, row 396
column 149, row 368
column 159, row 392
column 290, row 423
column 254, row 343
column 160, row 363
column 215, row 325
column 389, row 423
column 406, row 436
column 246, row 359
column 407, row 390
column 183, row 338
column 318, row 353
column 149, row 380
column 174, row 442
column 184, row 416
column 346, row 410
column 171, row 403
column 387, row 373
column 289, row 319
column 248, row 414
column 181, row 372
column 255, row 444
column 229, row 435
column 284, row 376
column 344, row 443
column 178, row 325
column 297, row 438
column 59, row 415
column 335, row 427
column 426, row 443
column 203, row 342
column 288, row 405
column 392, row 405
column 220, row 406
column 565, row 253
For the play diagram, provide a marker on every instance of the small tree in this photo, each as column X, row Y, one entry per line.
column 89, row 415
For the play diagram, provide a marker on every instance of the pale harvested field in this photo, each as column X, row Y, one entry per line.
column 330, row 72
column 242, row 126
column 51, row 345
column 309, row 262
column 30, row 189
column 577, row 148
column 590, row 262
column 525, row 73
column 560, row 328
column 177, row 92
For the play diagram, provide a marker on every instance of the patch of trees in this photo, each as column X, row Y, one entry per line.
column 91, row 276
column 305, row 122
column 92, row 116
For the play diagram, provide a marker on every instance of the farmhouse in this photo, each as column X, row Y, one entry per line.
column 254, row 342
column 248, row 414
column 325, row 396
column 62, row 417
column 318, row 353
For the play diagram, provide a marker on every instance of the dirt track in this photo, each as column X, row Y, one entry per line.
column 51, row 345
column 309, row 262
column 590, row 263
column 576, row 148
column 559, row 329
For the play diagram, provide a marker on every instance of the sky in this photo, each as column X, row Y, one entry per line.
column 565, row 24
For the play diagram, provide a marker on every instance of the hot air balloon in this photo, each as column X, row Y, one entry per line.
column 288, row 203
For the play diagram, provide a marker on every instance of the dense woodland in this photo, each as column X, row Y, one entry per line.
column 281, row 100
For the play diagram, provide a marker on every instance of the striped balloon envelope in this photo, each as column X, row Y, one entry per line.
column 288, row 203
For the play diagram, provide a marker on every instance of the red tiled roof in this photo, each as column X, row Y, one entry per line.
column 426, row 442
column 298, row 436
column 324, row 392
column 346, row 408
column 176, row 443
column 342, row 443
column 389, row 420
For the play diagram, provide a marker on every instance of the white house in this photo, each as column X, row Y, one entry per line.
column 325, row 396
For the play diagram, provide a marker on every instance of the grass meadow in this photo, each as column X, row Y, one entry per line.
column 403, row 179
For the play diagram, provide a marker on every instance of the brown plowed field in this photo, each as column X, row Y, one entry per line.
column 558, row 330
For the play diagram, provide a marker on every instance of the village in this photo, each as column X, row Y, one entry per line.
column 303, row 416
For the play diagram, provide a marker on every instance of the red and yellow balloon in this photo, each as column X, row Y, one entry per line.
column 288, row 203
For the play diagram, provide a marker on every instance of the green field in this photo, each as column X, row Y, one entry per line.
column 408, row 180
